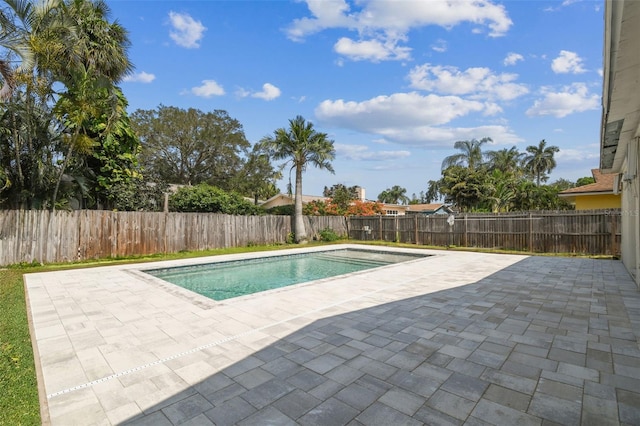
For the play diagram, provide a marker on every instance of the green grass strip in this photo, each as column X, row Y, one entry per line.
column 19, row 404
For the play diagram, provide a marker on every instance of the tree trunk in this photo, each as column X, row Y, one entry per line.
column 300, row 232
column 64, row 166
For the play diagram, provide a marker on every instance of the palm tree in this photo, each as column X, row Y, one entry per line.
column 301, row 144
column 394, row 195
column 505, row 160
column 540, row 160
column 27, row 30
column 99, row 46
column 471, row 154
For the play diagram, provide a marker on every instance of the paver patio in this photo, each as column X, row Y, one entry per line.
column 456, row 338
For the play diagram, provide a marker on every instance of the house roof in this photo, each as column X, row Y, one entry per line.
column 305, row 198
column 603, row 185
column 425, row 207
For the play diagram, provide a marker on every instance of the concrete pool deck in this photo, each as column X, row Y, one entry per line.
column 456, row 338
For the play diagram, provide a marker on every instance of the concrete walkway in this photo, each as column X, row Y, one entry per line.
column 456, row 338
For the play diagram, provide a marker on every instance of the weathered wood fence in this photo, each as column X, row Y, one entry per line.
column 595, row 232
column 44, row 236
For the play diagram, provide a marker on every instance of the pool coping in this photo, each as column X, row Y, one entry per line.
column 208, row 303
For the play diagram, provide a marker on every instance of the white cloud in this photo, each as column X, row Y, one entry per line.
column 571, row 155
column 569, row 100
column 408, row 109
column 362, row 152
column 186, row 32
column 400, row 17
column 512, row 58
column 445, row 136
column 372, row 50
column 381, row 25
column 439, row 46
column 269, row 92
column 140, row 77
column 473, row 82
column 411, row 118
column 567, row 63
column 326, row 14
column 207, row 89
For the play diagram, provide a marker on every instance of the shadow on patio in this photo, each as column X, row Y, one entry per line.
column 545, row 340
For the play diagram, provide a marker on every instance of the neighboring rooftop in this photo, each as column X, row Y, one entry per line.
column 603, row 184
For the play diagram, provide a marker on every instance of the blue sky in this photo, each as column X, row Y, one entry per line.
column 393, row 83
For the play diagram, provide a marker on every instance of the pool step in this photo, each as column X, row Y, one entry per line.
column 352, row 261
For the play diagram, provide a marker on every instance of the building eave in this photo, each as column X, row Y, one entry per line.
column 620, row 93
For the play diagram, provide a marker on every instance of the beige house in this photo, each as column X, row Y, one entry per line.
column 285, row 200
column 620, row 127
column 598, row 195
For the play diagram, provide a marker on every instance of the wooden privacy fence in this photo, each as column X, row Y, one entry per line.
column 44, row 236
column 595, row 232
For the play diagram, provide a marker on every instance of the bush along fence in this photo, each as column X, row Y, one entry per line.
column 43, row 236
column 594, row 232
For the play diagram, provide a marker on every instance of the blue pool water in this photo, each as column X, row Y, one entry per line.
column 224, row 280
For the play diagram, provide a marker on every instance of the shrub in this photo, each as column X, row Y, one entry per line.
column 329, row 235
column 209, row 199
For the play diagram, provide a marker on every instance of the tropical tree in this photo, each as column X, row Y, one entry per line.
column 301, row 145
column 539, row 161
column 586, row 180
column 394, row 195
column 78, row 108
column 471, row 154
column 501, row 191
column 258, row 176
column 56, row 113
column 27, row 30
column 465, row 188
column 98, row 45
column 507, row 160
column 341, row 195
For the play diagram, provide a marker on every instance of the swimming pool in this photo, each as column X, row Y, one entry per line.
column 225, row 280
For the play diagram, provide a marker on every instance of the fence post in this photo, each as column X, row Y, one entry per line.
column 530, row 233
column 614, row 230
column 415, row 226
column 381, row 230
column 466, row 242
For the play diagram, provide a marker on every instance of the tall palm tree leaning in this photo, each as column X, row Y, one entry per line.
column 300, row 144
column 471, row 154
column 539, row 160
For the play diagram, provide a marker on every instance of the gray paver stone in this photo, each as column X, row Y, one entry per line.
column 330, row 412
column 231, row 412
column 357, row 396
column 383, row 415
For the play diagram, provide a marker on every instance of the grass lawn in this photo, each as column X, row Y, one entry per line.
column 19, row 397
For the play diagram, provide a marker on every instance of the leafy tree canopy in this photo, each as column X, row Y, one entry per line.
column 190, row 146
column 585, row 181
column 341, row 195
